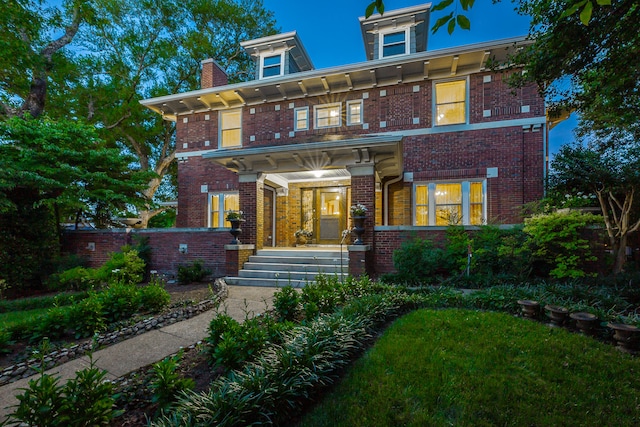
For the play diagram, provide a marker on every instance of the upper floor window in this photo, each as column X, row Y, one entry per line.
column 301, row 118
column 450, row 203
column 328, row 115
column 354, row 112
column 271, row 66
column 219, row 204
column 394, row 43
column 451, row 102
column 230, row 128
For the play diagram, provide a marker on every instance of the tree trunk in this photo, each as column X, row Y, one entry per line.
column 620, row 254
column 34, row 103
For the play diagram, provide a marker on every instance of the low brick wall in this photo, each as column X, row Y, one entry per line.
column 206, row 244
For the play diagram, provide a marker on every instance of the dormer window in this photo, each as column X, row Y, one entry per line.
column 271, row 66
column 394, row 43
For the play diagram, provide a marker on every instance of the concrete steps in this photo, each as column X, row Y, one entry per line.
column 291, row 266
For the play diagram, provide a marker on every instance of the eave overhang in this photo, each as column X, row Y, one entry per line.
column 383, row 153
column 437, row 64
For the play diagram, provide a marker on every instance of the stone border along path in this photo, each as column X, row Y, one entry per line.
column 144, row 349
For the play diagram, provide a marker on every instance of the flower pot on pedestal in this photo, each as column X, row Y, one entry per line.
column 235, row 230
column 556, row 314
column 530, row 309
column 585, row 322
column 626, row 336
column 358, row 229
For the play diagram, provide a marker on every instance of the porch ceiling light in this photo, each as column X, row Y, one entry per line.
column 318, row 173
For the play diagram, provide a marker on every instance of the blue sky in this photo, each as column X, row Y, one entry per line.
column 330, row 31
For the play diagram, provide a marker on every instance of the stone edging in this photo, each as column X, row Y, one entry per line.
column 29, row 368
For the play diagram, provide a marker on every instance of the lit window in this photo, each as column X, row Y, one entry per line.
column 450, row 203
column 271, row 66
column 230, row 128
column 451, row 102
column 301, row 118
column 354, row 112
column 219, row 204
column 327, row 115
column 394, row 43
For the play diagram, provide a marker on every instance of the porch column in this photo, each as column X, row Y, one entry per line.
column 363, row 191
column 251, row 190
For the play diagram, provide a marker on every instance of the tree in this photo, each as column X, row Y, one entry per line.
column 613, row 176
column 31, row 60
column 149, row 48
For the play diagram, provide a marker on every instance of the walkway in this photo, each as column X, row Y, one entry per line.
column 127, row 356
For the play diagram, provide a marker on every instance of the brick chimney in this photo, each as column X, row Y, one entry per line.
column 212, row 74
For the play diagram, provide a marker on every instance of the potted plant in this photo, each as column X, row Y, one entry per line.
column 235, row 218
column 358, row 213
column 302, row 236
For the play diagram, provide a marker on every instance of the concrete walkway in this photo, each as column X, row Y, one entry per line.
column 127, row 356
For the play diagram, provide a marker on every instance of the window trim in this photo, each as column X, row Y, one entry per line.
column 381, row 44
column 295, row 118
column 466, row 200
column 221, row 218
column 466, row 101
column 323, row 106
column 348, row 112
column 220, row 129
column 281, row 65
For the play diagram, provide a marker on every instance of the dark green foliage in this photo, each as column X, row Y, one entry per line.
column 41, row 302
column 417, row 262
column 52, row 324
column 286, row 302
column 166, row 383
column 86, row 318
column 119, row 301
column 454, row 259
column 74, row 279
column 192, row 273
column 153, row 297
column 231, row 343
column 123, row 267
column 84, row 401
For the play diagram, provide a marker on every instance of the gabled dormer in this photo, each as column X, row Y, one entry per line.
column 278, row 55
column 397, row 32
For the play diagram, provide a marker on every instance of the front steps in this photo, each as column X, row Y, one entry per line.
column 291, row 266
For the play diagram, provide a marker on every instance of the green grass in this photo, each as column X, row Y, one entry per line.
column 18, row 317
column 468, row 368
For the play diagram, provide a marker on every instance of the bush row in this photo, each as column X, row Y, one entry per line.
column 46, row 301
column 92, row 314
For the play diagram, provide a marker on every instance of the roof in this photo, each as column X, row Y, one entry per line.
column 435, row 64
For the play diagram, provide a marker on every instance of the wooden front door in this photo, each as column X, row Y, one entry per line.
column 324, row 212
column 268, row 207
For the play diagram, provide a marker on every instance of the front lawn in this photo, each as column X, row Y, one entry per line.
column 469, row 368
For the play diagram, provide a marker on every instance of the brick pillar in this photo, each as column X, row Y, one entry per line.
column 251, row 188
column 235, row 257
column 363, row 191
column 212, row 74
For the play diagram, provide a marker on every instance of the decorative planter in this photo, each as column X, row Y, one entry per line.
column 626, row 336
column 358, row 229
column 585, row 322
column 556, row 314
column 530, row 309
column 235, row 230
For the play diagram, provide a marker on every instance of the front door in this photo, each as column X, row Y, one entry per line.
column 324, row 211
column 268, row 209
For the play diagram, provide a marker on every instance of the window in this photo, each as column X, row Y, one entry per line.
column 271, row 66
column 451, row 102
column 327, row 116
column 354, row 112
column 219, row 204
column 230, row 128
column 394, row 43
column 301, row 118
column 446, row 203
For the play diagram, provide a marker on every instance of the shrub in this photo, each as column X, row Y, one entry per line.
column 86, row 318
column 417, row 262
column 166, row 383
column 124, row 266
column 555, row 238
column 235, row 343
column 286, row 302
column 75, row 279
column 119, row 301
column 192, row 273
column 153, row 297
column 51, row 325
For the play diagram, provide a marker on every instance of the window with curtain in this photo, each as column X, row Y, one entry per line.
column 230, row 128
column 451, row 102
column 328, row 115
column 447, row 203
column 301, row 118
column 354, row 112
column 219, row 204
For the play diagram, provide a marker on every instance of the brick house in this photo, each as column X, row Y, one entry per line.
column 422, row 138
